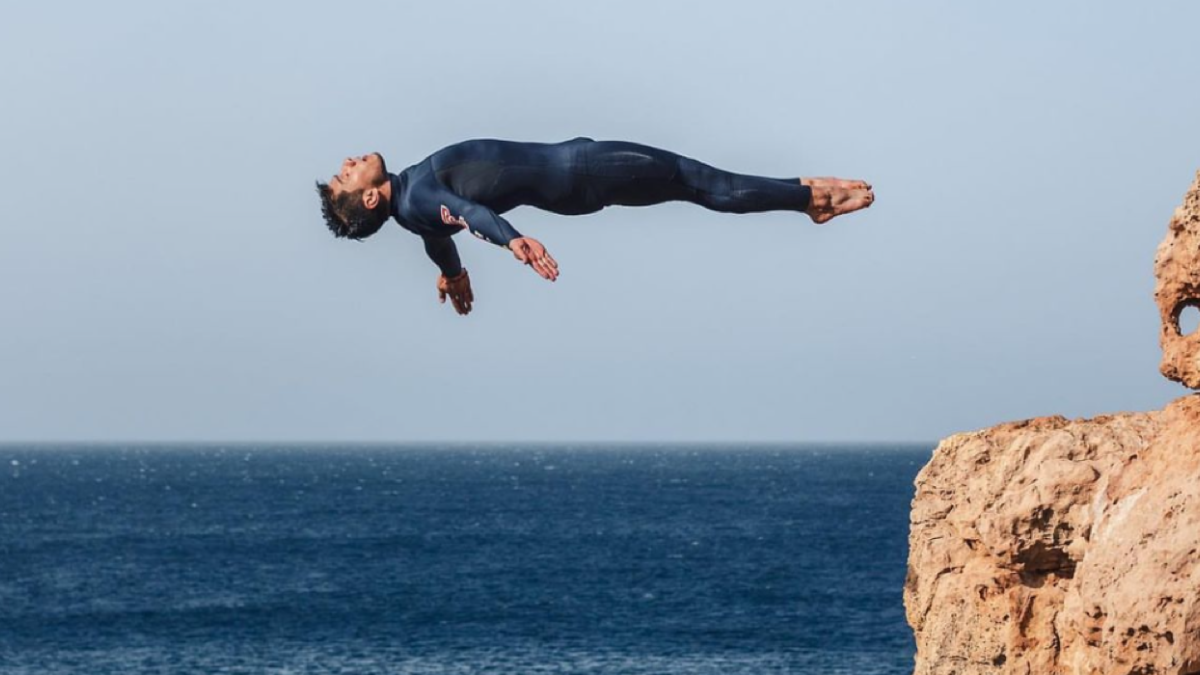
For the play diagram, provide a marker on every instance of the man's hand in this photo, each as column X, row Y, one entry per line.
column 531, row 252
column 459, row 290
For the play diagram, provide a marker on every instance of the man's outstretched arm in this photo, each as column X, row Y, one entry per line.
column 490, row 227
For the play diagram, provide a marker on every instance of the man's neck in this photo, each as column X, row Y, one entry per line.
column 386, row 188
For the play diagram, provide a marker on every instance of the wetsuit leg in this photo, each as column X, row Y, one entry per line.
column 629, row 174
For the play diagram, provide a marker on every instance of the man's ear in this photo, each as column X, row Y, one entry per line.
column 371, row 197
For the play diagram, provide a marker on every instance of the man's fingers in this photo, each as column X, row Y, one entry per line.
column 549, row 266
column 461, row 297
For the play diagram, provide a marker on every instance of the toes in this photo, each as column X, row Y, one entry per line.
column 832, row 183
column 860, row 199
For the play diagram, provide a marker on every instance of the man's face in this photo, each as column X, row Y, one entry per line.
column 359, row 173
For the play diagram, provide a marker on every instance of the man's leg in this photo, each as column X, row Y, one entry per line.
column 630, row 174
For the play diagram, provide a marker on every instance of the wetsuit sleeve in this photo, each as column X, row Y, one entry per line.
column 444, row 254
column 479, row 219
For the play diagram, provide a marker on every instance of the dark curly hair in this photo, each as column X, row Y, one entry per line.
column 347, row 216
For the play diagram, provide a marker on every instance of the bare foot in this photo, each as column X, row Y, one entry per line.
column 832, row 197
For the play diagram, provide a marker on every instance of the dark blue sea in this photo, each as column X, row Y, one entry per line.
column 544, row 559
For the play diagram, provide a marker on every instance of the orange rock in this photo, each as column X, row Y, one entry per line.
column 1056, row 547
column 1177, row 271
column 1003, row 535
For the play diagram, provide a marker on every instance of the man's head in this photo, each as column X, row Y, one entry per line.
column 353, row 201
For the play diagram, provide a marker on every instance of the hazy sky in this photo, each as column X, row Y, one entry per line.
column 165, row 272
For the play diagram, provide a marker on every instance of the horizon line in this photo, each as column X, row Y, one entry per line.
column 456, row 443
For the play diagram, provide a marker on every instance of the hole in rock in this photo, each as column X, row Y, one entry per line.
column 1189, row 319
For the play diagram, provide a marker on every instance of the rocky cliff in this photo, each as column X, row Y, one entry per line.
column 1053, row 546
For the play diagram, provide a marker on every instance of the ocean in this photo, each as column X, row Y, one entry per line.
column 628, row 559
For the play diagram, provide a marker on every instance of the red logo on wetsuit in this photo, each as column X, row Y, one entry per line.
column 449, row 219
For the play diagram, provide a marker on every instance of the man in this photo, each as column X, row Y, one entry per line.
column 468, row 185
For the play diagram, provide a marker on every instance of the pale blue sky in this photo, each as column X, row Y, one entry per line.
column 165, row 274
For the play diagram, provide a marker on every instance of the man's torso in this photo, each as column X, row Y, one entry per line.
column 500, row 175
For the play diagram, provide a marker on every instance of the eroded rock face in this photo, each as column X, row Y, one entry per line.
column 1056, row 547
column 1177, row 270
column 1053, row 547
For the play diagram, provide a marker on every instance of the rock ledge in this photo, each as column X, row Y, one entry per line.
column 1056, row 547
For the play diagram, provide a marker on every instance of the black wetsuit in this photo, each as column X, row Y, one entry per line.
column 469, row 184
